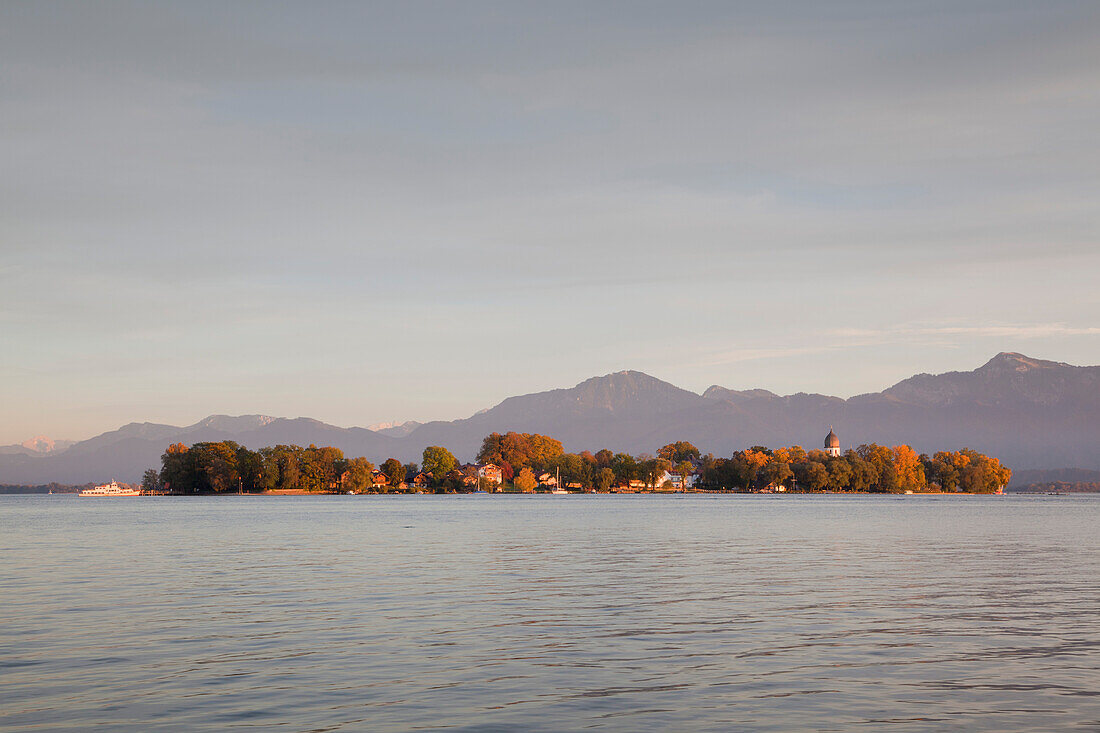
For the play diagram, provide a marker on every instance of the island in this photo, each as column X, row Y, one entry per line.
column 528, row 463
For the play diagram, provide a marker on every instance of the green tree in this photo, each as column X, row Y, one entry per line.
column 284, row 464
column 811, row 475
column 625, row 468
column 840, row 472
column 604, row 478
column 774, row 472
column 881, row 460
column 215, row 466
column 250, row 468
column 862, row 475
column 438, row 461
column 178, row 469
column 652, row 469
column 683, row 470
column 150, row 480
column 573, row 469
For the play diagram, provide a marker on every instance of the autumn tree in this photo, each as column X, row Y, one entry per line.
column 909, row 469
column 360, row 475
column 678, row 452
column 491, row 450
column 881, row 459
column 754, row 459
column 526, row 481
column 982, row 474
column 520, row 450
column 394, row 470
column 543, row 450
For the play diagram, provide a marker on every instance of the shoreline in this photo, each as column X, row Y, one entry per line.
column 303, row 492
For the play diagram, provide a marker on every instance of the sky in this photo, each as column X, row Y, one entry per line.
column 367, row 212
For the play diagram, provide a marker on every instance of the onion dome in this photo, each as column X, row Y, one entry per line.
column 831, row 440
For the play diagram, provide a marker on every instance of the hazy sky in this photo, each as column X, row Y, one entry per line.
column 374, row 211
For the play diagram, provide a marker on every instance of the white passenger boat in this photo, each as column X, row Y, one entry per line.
column 111, row 489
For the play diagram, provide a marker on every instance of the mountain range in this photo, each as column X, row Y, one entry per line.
column 38, row 445
column 1030, row 413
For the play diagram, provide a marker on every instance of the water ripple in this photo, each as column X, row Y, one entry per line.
column 534, row 613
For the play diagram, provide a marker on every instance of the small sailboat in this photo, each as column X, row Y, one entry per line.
column 557, row 485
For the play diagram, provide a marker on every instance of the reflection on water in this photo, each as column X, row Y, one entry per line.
column 550, row 613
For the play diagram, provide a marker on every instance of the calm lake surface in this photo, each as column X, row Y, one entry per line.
column 550, row 613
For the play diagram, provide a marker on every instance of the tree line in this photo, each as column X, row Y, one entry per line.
column 225, row 466
column 869, row 468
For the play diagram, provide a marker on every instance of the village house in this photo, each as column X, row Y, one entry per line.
column 675, row 481
column 470, row 475
column 491, row 472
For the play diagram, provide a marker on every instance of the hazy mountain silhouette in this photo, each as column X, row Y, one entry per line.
column 625, row 411
column 1032, row 414
column 38, row 445
column 124, row 454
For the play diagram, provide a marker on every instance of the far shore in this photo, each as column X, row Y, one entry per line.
column 303, row 492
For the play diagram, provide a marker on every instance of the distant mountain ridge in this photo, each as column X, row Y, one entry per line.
column 38, row 445
column 395, row 429
column 1030, row 413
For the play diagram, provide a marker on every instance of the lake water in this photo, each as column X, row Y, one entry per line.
column 550, row 613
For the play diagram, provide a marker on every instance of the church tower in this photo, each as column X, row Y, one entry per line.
column 832, row 443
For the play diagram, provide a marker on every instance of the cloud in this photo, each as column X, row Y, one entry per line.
column 734, row 356
column 258, row 184
column 836, row 341
column 1018, row 330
